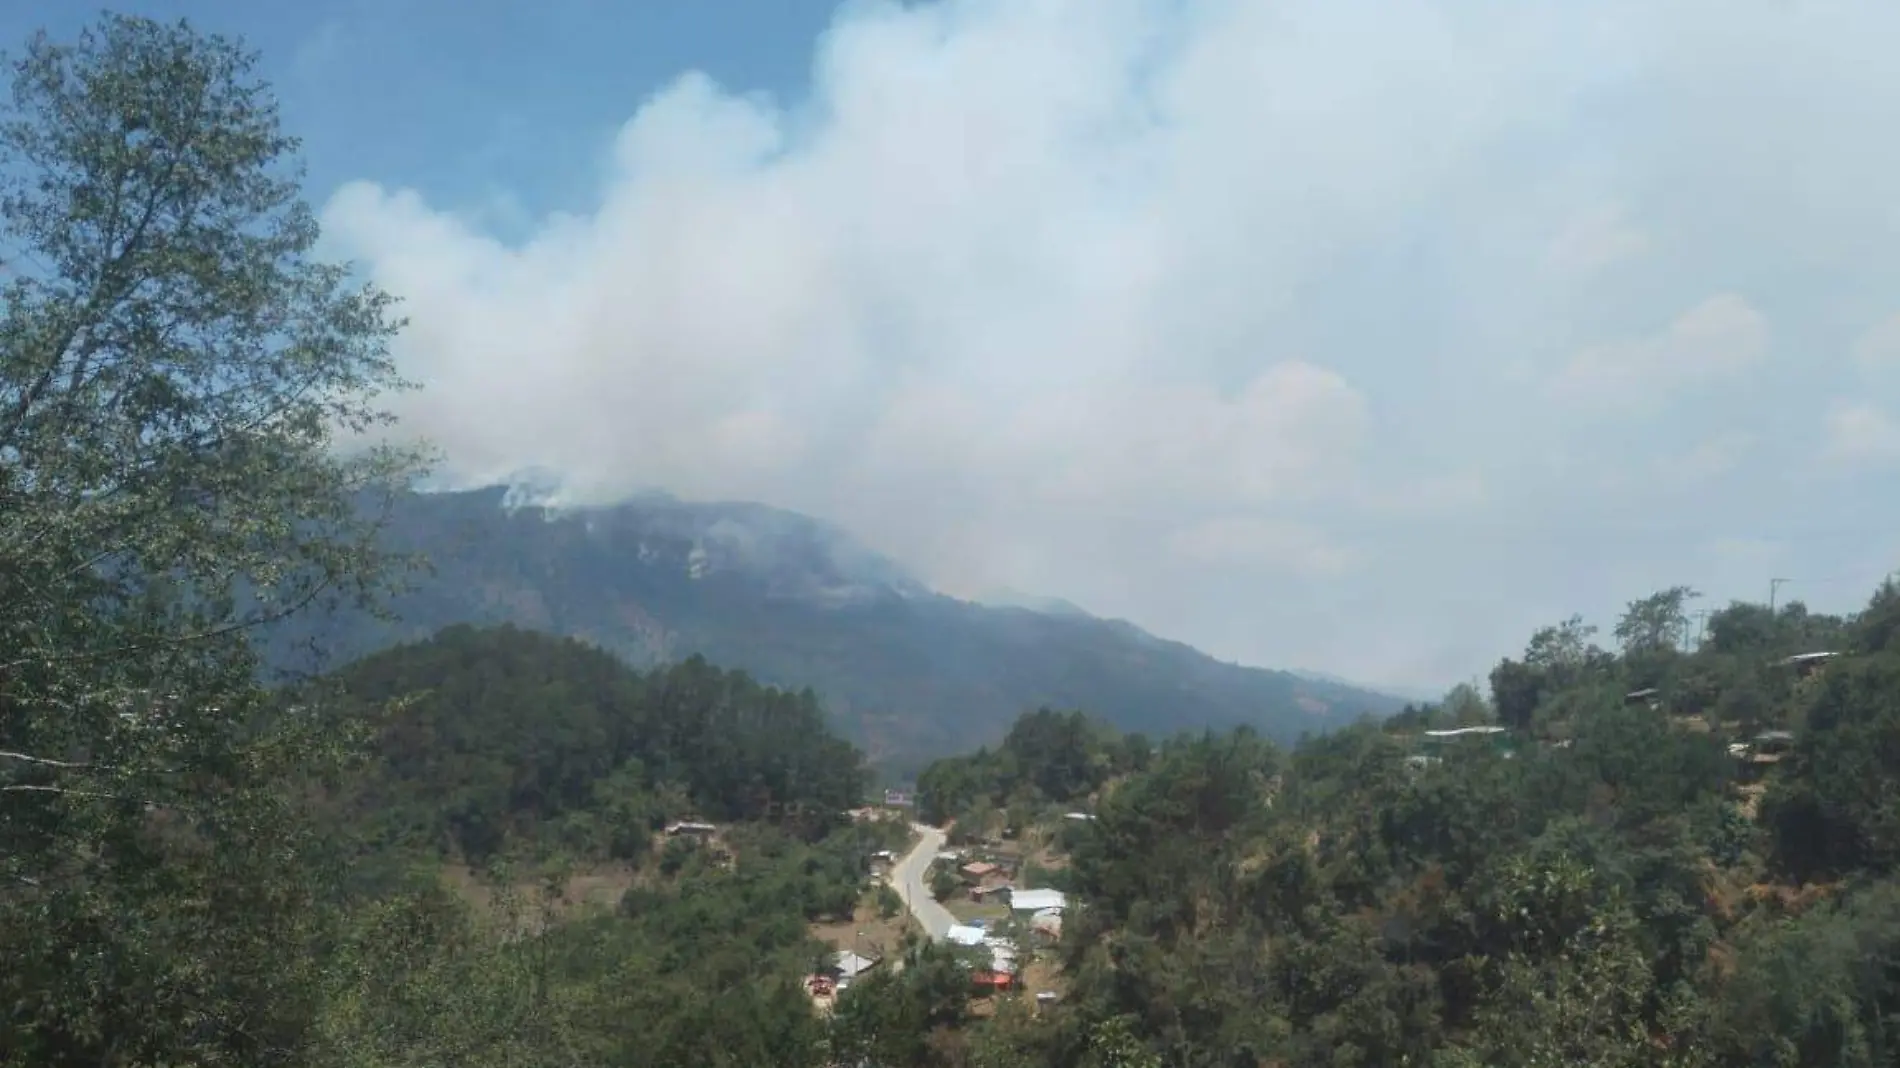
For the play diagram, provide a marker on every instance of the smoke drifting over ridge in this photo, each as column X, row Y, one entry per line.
column 1345, row 335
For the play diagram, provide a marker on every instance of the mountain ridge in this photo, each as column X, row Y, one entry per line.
column 908, row 672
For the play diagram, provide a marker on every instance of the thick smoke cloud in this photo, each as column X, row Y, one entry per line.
column 1350, row 335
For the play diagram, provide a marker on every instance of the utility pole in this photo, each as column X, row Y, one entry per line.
column 1773, row 585
column 1702, row 625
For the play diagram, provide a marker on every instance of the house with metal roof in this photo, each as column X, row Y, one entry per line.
column 1498, row 738
column 1037, row 900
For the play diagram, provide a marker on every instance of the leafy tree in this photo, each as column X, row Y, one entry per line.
column 1742, row 627
column 1839, row 810
column 1656, row 622
column 889, row 1017
column 1565, row 647
column 1820, row 989
column 1464, row 706
column 177, row 376
column 1516, row 691
column 1878, row 628
column 1047, row 758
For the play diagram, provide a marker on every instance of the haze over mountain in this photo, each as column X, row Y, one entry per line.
column 911, row 672
column 1362, row 337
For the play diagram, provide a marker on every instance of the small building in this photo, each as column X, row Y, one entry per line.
column 964, row 934
column 1805, row 664
column 1078, row 817
column 850, row 965
column 991, row 979
column 895, row 798
column 1651, row 697
column 1761, row 755
column 1497, row 737
column 980, row 893
column 1774, row 741
column 1038, row 901
column 978, row 870
column 690, row 828
column 1754, row 765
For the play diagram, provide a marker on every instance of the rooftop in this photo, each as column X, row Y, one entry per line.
column 1037, row 900
column 850, row 965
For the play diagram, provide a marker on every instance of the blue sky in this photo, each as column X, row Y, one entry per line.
column 477, row 101
column 1351, row 335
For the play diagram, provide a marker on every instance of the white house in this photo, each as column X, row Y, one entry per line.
column 1037, row 900
column 965, row 935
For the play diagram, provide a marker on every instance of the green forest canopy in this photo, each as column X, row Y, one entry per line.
column 481, row 735
column 1613, row 887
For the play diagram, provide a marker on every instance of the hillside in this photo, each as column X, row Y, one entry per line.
column 908, row 673
column 509, row 772
column 1650, row 855
column 486, row 737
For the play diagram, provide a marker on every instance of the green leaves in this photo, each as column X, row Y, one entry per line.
column 176, row 378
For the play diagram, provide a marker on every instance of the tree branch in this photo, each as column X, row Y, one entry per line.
column 35, row 788
column 214, row 633
column 4, row 754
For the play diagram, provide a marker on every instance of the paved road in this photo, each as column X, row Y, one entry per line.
column 907, row 877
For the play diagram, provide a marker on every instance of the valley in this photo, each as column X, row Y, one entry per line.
column 711, row 785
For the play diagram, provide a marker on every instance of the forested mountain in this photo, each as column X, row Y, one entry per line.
column 483, row 735
column 908, row 673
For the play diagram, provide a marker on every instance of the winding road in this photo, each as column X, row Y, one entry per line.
column 907, row 877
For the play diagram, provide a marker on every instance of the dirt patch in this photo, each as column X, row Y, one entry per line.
column 1751, row 795
column 1043, row 974
column 593, row 889
column 1047, row 857
column 865, row 932
column 1791, row 900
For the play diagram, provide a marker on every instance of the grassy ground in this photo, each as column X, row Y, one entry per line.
column 966, row 910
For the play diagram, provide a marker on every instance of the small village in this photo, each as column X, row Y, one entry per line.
column 1004, row 925
column 1755, row 754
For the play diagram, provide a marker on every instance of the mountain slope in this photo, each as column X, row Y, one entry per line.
column 908, row 672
